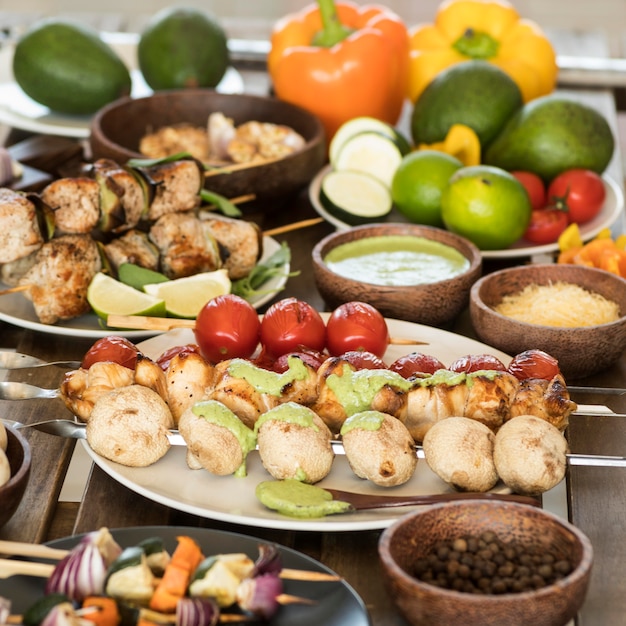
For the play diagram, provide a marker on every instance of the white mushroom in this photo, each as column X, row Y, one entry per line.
column 294, row 442
column 460, row 451
column 217, row 440
column 379, row 448
column 3, row 437
column 5, row 468
column 130, row 426
column 530, row 455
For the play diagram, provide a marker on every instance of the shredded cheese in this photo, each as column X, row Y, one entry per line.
column 559, row 304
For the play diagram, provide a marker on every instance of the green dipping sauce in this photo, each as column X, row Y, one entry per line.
column 296, row 499
column 396, row 260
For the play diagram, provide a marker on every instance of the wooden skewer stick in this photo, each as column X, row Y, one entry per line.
column 236, row 167
column 10, row 567
column 294, row 226
column 17, row 289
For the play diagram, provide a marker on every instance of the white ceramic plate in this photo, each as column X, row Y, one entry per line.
column 17, row 110
column 608, row 215
column 171, row 483
column 16, row 309
column 335, row 603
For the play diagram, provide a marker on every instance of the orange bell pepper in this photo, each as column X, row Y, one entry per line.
column 340, row 61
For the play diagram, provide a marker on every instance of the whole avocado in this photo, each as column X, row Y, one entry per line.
column 475, row 93
column 65, row 66
column 550, row 135
column 183, row 48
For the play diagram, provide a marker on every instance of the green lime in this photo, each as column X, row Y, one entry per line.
column 184, row 297
column 418, row 183
column 487, row 205
column 108, row 296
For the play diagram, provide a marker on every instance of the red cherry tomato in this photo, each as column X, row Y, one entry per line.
column 546, row 226
column 416, row 364
column 356, row 326
column 535, row 188
column 227, row 327
column 112, row 348
column 534, row 364
column 310, row 357
column 475, row 362
column 291, row 324
column 166, row 358
column 363, row 360
column 580, row 192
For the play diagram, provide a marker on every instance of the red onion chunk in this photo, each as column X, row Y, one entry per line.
column 259, row 595
column 197, row 612
column 268, row 561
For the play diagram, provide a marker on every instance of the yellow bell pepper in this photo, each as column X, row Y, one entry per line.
column 491, row 30
column 461, row 142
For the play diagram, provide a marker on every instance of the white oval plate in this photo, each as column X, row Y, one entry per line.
column 18, row 310
column 608, row 215
column 17, row 110
column 170, row 482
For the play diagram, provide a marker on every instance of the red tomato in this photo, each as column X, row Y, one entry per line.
column 310, row 357
column 227, row 327
column 535, row 188
column 546, row 226
column 363, row 360
column 166, row 358
column 416, row 364
column 475, row 362
column 290, row 325
column 579, row 192
column 534, row 364
column 113, row 348
column 356, row 326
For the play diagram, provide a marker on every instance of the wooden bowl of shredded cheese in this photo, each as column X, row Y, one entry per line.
column 577, row 314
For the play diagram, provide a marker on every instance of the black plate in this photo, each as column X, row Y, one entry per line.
column 337, row 604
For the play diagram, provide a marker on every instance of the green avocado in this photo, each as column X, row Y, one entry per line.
column 552, row 134
column 183, row 48
column 474, row 93
column 65, row 66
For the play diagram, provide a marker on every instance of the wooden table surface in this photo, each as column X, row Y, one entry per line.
column 596, row 496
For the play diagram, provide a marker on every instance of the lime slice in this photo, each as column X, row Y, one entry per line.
column 184, row 297
column 108, row 296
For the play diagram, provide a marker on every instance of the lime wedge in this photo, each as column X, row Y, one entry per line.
column 184, row 297
column 108, row 296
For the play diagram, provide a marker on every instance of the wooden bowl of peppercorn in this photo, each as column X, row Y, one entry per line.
column 485, row 563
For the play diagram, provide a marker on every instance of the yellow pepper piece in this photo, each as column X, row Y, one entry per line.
column 461, row 142
column 620, row 242
column 570, row 238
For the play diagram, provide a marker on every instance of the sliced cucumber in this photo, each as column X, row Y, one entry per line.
column 355, row 197
column 365, row 124
column 370, row 153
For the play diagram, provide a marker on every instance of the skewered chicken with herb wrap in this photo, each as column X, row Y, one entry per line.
column 20, row 235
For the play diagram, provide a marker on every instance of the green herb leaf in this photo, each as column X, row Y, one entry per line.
column 179, row 156
column 222, row 203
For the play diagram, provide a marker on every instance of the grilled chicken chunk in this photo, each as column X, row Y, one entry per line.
column 489, row 398
column 75, row 202
column 60, row 277
column 177, row 186
column 185, row 247
column 134, row 247
column 20, row 234
column 242, row 241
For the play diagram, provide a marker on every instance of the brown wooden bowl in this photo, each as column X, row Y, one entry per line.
column 432, row 304
column 11, row 493
column 581, row 351
column 117, row 129
column 416, row 534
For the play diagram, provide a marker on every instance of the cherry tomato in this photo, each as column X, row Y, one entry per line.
column 534, row 364
column 475, row 362
column 291, row 324
column 579, row 192
column 416, row 364
column 227, row 327
column 310, row 357
column 364, row 360
column 546, row 226
column 166, row 358
column 112, row 348
column 535, row 188
column 356, row 326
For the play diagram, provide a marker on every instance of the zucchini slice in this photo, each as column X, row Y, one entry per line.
column 371, row 153
column 365, row 124
column 355, row 197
